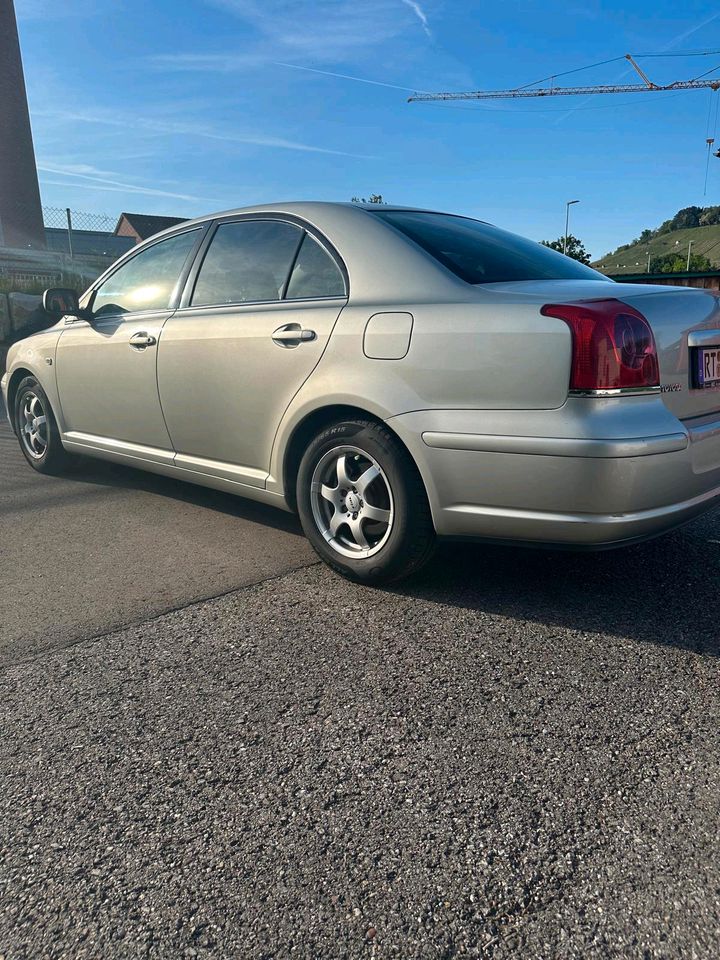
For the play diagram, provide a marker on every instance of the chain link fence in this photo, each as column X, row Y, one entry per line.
column 79, row 220
column 80, row 246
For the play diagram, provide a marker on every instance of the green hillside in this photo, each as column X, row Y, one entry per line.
column 634, row 259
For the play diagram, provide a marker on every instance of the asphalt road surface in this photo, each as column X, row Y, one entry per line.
column 107, row 546
column 514, row 755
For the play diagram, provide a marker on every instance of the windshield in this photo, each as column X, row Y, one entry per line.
column 480, row 253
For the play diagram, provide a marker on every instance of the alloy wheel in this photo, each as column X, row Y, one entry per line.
column 33, row 426
column 352, row 502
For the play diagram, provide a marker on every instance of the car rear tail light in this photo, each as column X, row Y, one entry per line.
column 613, row 347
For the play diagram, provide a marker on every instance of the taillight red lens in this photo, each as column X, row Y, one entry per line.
column 613, row 346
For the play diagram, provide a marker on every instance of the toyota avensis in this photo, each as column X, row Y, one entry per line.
column 392, row 374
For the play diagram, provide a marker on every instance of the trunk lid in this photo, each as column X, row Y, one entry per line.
column 675, row 315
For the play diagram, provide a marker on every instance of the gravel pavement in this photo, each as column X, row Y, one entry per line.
column 515, row 755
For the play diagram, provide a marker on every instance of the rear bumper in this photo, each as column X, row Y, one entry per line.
column 579, row 491
column 582, row 530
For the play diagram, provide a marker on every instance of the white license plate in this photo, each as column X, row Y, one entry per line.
column 707, row 371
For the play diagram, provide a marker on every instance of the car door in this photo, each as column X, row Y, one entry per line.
column 106, row 366
column 253, row 323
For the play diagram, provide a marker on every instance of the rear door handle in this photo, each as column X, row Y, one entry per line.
column 142, row 340
column 292, row 335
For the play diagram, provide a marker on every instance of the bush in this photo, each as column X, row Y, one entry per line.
column 677, row 263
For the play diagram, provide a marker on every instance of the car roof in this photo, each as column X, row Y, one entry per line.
column 383, row 265
column 306, row 208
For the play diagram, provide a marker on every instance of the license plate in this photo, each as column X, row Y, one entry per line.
column 707, row 369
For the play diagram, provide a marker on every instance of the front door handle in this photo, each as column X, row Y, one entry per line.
column 292, row 335
column 142, row 340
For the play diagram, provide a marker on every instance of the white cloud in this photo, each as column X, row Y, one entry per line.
column 420, row 14
column 79, row 170
column 70, row 170
column 321, row 31
column 205, row 62
column 345, row 76
column 688, row 33
column 192, row 130
column 228, row 63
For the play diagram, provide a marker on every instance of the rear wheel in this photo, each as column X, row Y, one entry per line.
column 362, row 503
column 37, row 429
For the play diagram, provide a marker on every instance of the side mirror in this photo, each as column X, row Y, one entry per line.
column 61, row 302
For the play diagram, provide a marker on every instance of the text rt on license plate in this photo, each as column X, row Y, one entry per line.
column 708, row 367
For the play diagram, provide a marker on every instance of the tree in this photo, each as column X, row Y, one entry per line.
column 373, row 198
column 575, row 248
column 677, row 263
column 711, row 216
column 687, row 217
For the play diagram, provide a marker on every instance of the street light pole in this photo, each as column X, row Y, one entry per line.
column 567, row 222
column 688, row 259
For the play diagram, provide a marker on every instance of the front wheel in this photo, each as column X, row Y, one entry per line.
column 37, row 429
column 362, row 503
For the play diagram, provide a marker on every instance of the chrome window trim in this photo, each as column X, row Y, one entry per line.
column 323, row 244
column 113, row 319
column 185, row 299
column 205, row 249
column 88, row 298
column 264, row 304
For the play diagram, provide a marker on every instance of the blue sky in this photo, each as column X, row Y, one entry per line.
column 188, row 106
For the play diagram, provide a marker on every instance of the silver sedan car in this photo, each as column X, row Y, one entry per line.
column 394, row 375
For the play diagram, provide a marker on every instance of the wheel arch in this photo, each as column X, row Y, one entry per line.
column 16, row 378
column 310, row 426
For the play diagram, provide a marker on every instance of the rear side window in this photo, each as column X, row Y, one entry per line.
column 147, row 281
column 315, row 273
column 247, row 261
column 480, row 253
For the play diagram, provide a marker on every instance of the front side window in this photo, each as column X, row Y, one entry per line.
column 147, row 281
column 480, row 253
column 315, row 274
column 247, row 261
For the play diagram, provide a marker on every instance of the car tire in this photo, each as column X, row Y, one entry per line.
column 37, row 429
column 362, row 503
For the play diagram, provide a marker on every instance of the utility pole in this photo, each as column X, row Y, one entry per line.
column 567, row 222
column 688, row 259
column 648, row 266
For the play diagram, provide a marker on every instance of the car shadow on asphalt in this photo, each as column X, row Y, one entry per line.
column 663, row 591
column 112, row 475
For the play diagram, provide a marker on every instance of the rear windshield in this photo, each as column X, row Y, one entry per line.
column 480, row 253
